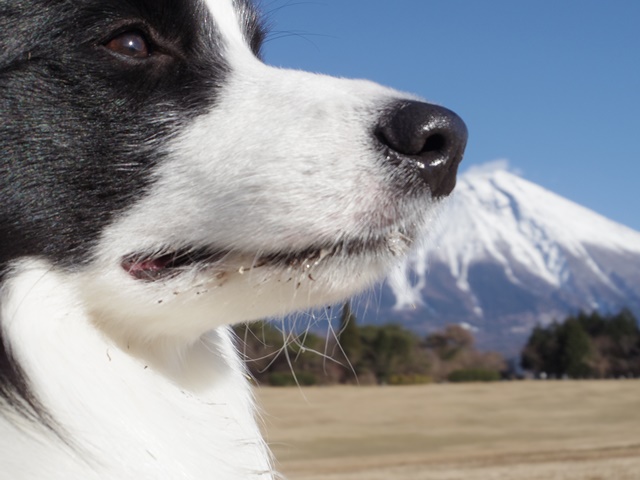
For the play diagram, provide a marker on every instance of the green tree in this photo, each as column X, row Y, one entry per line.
column 349, row 335
column 269, row 348
column 390, row 349
column 576, row 350
column 451, row 342
column 531, row 358
column 594, row 323
column 542, row 353
column 586, row 345
column 622, row 324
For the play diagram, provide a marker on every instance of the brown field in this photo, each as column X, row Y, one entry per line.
column 502, row 431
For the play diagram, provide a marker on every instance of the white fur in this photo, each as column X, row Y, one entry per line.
column 142, row 377
column 129, row 420
column 283, row 161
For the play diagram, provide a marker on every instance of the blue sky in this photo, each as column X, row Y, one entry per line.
column 552, row 86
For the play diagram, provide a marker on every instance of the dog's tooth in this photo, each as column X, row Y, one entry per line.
column 322, row 254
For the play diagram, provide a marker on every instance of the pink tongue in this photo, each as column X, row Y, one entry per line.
column 145, row 269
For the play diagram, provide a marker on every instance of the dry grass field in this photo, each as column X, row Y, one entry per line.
column 503, row 431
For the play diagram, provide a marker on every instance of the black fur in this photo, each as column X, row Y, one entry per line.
column 82, row 128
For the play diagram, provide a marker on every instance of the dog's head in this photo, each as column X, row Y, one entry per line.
column 156, row 161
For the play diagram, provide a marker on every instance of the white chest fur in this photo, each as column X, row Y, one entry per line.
column 121, row 418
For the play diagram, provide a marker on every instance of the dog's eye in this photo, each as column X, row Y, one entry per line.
column 130, row 44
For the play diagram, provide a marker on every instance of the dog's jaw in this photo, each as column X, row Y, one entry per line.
column 180, row 304
column 292, row 210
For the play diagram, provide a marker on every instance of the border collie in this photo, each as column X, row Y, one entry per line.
column 159, row 183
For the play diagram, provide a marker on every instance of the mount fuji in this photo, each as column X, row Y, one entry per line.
column 506, row 254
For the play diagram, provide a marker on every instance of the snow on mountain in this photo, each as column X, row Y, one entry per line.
column 506, row 254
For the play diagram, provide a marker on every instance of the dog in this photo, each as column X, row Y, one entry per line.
column 159, row 184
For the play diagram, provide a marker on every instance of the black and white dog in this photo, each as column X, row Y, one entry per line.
column 158, row 183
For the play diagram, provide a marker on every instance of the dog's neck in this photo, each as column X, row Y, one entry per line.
column 119, row 417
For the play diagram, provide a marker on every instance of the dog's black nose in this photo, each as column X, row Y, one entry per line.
column 428, row 138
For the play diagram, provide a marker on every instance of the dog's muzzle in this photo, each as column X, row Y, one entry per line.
column 426, row 140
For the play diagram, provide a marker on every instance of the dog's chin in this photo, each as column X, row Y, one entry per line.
column 183, row 292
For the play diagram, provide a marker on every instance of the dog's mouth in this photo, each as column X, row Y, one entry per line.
column 170, row 263
column 151, row 267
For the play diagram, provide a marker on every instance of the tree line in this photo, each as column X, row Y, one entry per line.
column 586, row 346
column 582, row 346
column 367, row 354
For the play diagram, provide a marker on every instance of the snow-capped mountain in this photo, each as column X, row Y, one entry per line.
column 506, row 254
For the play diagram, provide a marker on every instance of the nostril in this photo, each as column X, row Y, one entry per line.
column 434, row 143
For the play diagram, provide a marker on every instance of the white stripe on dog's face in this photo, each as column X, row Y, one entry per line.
column 228, row 24
column 276, row 197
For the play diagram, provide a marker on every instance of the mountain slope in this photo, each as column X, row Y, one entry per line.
column 507, row 254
